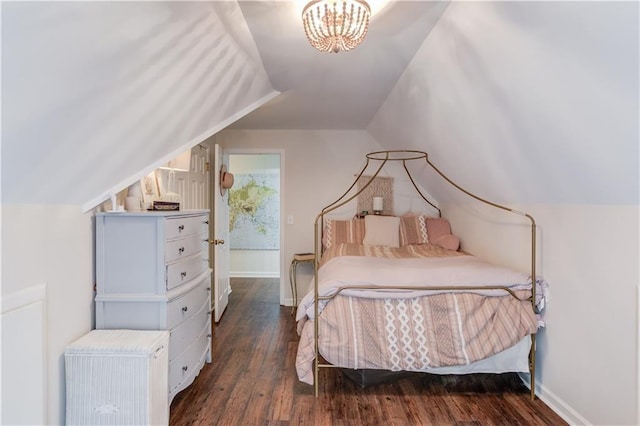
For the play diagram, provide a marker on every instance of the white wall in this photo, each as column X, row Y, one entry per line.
column 587, row 354
column 254, row 263
column 51, row 245
column 535, row 104
column 318, row 166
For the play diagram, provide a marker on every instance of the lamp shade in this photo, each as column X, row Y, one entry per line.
column 377, row 204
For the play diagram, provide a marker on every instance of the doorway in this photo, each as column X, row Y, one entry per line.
column 255, row 215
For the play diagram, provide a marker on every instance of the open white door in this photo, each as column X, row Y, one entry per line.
column 221, row 284
column 198, row 186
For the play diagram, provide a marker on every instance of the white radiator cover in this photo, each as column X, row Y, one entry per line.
column 118, row 377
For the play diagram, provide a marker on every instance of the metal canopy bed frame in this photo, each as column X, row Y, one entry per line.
column 404, row 156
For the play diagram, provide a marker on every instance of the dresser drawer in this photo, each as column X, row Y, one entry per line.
column 185, row 270
column 185, row 306
column 182, row 367
column 179, row 227
column 188, row 331
column 183, row 248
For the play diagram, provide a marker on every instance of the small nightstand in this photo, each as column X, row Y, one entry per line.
column 297, row 258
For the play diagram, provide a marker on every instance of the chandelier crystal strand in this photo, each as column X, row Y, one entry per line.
column 336, row 25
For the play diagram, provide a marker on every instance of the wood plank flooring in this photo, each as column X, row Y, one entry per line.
column 252, row 381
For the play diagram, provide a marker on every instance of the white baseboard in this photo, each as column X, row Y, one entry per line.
column 243, row 274
column 558, row 405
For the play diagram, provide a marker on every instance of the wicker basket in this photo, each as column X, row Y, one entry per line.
column 118, row 377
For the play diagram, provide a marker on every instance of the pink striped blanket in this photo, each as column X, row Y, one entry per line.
column 411, row 329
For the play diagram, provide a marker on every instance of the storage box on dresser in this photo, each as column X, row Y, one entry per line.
column 152, row 272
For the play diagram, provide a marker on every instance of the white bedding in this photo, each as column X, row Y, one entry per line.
column 513, row 359
column 410, row 272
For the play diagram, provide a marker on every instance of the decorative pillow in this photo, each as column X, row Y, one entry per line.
column 449, row 242
column 381, row 231
column 342, row 231
column 413, row 230
column 437, row 227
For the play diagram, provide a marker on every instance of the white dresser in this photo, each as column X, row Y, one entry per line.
column 152, row 273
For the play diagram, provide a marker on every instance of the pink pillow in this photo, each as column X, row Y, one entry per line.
column 437, row 227
column 413, row 230
column 342, row 231
column 449, row 242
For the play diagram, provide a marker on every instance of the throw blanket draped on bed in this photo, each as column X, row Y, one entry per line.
column 409, row 266
column 412, row 330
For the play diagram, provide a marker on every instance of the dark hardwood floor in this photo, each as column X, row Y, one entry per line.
column 252, row 381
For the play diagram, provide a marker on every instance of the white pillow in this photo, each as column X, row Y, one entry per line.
column 381, row 231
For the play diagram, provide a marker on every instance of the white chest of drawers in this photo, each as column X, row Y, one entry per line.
column 152, row 273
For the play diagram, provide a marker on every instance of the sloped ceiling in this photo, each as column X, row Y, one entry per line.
column 519, row 101
column 97, row 94
column 525, row 102
column 326, row 90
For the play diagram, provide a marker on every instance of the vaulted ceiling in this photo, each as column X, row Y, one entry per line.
column 149, row 79
column 100, row 93
column 326, row 90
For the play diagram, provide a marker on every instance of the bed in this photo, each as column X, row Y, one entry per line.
column 395, row 294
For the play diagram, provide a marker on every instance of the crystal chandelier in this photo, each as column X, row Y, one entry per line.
column 335, row 25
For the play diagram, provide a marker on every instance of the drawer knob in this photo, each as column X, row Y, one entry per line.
column 183, row 274
column 206, row 222
column 181, row 228
column 181, row 250
column 185, row 309
column 185, row 368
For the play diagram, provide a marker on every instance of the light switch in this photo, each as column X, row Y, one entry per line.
column 290, row 219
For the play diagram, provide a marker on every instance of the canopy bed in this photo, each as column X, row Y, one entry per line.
column 395, row 294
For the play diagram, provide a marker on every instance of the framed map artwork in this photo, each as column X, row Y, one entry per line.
column 254, row 212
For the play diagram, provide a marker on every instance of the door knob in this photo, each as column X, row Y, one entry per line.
column 216, row 242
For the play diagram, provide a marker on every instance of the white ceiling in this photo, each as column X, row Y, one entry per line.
column 327, row 90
